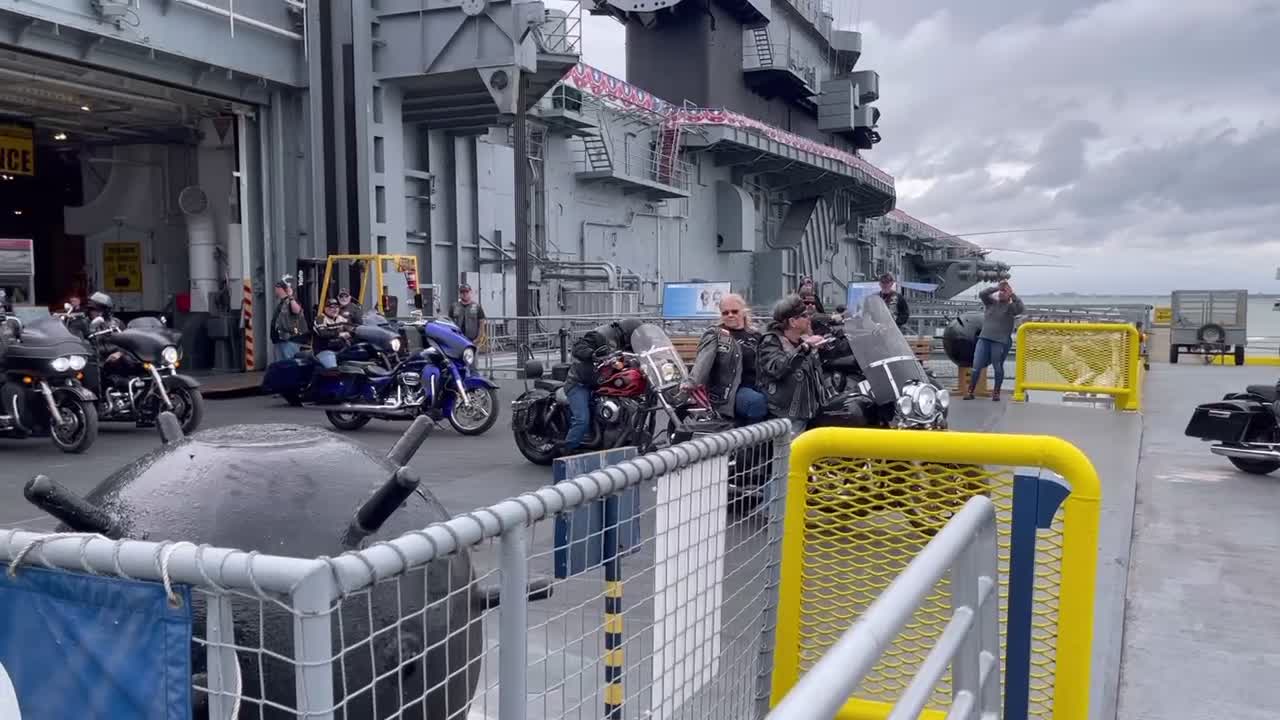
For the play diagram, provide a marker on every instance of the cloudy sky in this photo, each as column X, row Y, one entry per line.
column 1147, row 131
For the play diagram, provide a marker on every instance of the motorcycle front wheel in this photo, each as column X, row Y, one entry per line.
column 478, row 416
column 188, row 407
column 80, row 428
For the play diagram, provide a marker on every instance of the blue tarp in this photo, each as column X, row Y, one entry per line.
column 80, row 646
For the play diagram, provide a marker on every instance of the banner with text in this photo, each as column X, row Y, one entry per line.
column 17, row 149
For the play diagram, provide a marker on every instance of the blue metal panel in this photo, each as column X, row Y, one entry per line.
column 94, row 647
column 1035, row 501
column 581, row 535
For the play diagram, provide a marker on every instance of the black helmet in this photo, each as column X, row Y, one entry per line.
column 101, row 302
column 628, row 326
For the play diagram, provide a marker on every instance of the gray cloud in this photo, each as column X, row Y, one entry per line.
column 1148, row 131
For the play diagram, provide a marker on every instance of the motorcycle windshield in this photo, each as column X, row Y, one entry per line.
column 148, row 322
column 886, row 358
column 661, row 363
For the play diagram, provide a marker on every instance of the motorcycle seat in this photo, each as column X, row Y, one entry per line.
column 354, row 367
column 1266, row 392
column 550, row 385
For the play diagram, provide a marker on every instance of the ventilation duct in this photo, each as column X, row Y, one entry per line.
column 202, row 246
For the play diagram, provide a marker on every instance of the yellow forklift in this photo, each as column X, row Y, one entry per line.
column 363, row 275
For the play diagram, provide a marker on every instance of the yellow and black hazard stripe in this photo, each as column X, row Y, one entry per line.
column 613, row 660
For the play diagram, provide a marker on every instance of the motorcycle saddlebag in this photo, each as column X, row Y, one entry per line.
column 1228, row 421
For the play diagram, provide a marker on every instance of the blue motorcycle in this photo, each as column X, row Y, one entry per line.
column 301, row 379
column 439, row 380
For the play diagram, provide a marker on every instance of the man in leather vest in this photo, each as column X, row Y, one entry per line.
column 588, row 350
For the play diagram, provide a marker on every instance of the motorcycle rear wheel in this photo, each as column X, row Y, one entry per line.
column 1255, row 467
column 347, row 421
column 537, row 453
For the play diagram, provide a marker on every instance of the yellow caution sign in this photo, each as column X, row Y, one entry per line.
column 122, row 266
column 1163, row 315
column 17, row 149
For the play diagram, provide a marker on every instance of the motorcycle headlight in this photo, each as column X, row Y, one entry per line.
column 169, row 355
column 78, row 362
column 61, row 364
column 395, row 344
column 469, row 356
column 904, row 405
column 926, row 400
column 669, row 372
column 944, row 398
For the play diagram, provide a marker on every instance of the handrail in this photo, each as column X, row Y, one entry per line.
column 970, row 644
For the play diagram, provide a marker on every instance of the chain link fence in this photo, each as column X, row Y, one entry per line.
column 644, row 589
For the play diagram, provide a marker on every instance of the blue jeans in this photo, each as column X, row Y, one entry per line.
column 750, row 404
column 989, row 352
column 286, row 349
column 579, row 416
column 328, row 359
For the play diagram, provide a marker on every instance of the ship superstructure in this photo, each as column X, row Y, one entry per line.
column 183, row 155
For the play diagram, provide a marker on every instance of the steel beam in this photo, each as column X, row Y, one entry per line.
column 175, row 43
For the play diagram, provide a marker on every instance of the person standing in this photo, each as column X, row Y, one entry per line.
column 1002, row 308
column 286, row 323
column 467, row 314
column 893, row 299
column 726, row 363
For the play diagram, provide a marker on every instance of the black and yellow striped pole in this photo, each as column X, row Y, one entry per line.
column 613, row 660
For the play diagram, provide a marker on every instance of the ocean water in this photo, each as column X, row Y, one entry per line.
column 1262, row 320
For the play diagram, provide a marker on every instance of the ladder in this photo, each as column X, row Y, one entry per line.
column 764, row 51
column 668, row 150
column 597, row 153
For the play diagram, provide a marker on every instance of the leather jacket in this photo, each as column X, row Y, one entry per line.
column 790, row 377
column 589, row 349
column 718, row 365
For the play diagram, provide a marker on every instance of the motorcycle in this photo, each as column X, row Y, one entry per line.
column 41, row 391
column 1245, row 428
column 893, row 391
column 294, row 378
column 135, row 374
column 438, row 380
column 633, row 389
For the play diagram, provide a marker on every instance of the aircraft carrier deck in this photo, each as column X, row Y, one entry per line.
column 1187, row 544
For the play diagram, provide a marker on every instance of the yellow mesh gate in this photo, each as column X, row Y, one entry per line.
column 862, row 503
column 1101, row 358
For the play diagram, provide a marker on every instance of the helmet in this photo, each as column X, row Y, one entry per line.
column 628, row 326
column 100, row 301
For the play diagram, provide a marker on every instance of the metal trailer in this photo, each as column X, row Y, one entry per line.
column 1208, row 322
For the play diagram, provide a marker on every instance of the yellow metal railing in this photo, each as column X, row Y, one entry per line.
column 1101, row 358
column 862, row 503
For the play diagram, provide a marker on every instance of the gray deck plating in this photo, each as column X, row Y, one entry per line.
column 1202, row 617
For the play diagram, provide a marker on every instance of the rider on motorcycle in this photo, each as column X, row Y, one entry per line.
column 333, row 334
column 726, row 364
column 789, row 369
column 589, row 350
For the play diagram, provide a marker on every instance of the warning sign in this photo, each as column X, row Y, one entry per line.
column 1163, row 315
column 17, row 149
column 122, row 266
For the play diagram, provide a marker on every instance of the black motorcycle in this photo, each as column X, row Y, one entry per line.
column 135, row 375
column 1245, row 428
column 41, row 391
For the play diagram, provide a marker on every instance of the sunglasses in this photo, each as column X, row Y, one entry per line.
column 727, row 313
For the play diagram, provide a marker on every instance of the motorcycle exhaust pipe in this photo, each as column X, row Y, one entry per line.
column 374, row 410
column 1245, row 453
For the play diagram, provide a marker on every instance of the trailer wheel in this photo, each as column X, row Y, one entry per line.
column 1173, row 354
column 1239, row 355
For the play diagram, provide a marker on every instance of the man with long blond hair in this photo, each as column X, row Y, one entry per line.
column 726, row 363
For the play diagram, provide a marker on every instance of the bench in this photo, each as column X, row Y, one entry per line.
column 686, row 347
